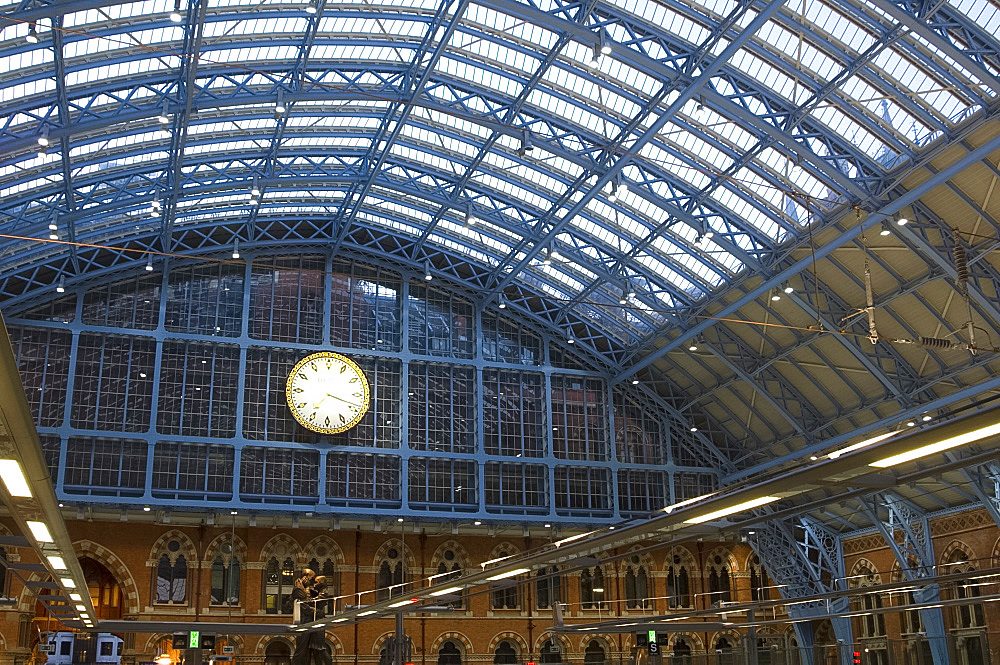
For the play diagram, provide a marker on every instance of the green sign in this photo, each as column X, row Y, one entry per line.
column 194, row 637
column 651, row 635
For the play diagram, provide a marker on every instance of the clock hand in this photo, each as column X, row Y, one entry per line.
column 342, row 400
column 316, row 405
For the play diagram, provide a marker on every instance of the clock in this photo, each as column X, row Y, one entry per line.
column 327, row 392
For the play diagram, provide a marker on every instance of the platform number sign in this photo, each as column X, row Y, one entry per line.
column 194, row 639
column 651, row 643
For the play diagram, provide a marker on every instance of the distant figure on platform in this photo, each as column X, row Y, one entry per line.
column 319, row 650
column 302, row 591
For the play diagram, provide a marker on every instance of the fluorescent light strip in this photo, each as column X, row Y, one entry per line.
column 366, row 613
column 445, row 592
column 56, row 562
column 81, row 608
column 572, row 538
column 686, row 502
column 40, row 532
column 861, row 444
column 68, row 582
column 509, row 573
column 738, row 508
column 340, row 620
column 75, row 596
column 13, row 478
column 938, row 446
column 401, row 603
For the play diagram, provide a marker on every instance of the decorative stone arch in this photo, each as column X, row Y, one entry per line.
column 644, row 559
column 336, row 646
column 603, row 640
column 187, row 547
column 503, row 549
column 151, row 643
column 464, row 643
column 686, row 559
column 238, row 642
column 12, row 553
column 215, row 548
column 728, row 559
column 690, row 638
column 956, row 546
column 996, row 554
column 322, row 547
column 379, row 642
column 407, row 553
column 561, row 639
column 282, row 546
column 461, row 555
column 510, row 636
column 862, row 564
column 108, row 559
column 267, row 639
column 731, row 635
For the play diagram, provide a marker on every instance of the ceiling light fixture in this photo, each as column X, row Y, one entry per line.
column 13, row 479
column 861, row 444
column 526, row 143
column 775, row 296
column 40, row 531
column 43, row 137
column 255, row 188
column 427, row 271
column 311, row 8
column 885, row 229
column 693, row 428
column 149, row 264
column 236, row 248
column 613, row 196
column 164, row 117
column 788, row 289
column 510, row 573
column 68, row 582
column 595, row 56
column 175, row 15
column 501, row 302
column 554, row 254
column 445, row 592
column 902, row 221
column 699, row 112
column 279, row 107
column 32, row 37
column 605, row 43
column 470, row 216
column 61, row 286
column 569, row 335
column 635, row 382
column 56, row 562
column 693, row 346
column 732, row 510
column 938, row 446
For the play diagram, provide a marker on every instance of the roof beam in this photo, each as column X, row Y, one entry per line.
column 885, row 212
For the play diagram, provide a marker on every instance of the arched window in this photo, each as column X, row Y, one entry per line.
column 872, row 623
column 724, row 652
column 171, row 576
column 505, row 654
column 594, row 654
column 636, row 584
column 447, row 569
column 325, row 565
column 719, row 582
column 278, row 582
column 391, row 575
column 277, row 652
column 503, row 595
column 548, row 588
column 967, row 614
column 104, row 590
column 226, row 578
column 551, row 653
column 592, row 588
column 678, row 584
column 682, row 652
column 449, row 654
column 760, row 583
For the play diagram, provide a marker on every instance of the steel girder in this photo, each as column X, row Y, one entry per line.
column 914, row 552
column 805, row 559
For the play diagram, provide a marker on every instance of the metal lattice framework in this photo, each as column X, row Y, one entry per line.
column 640, row 176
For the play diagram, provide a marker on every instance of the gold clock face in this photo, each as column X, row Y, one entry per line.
column 327, row 392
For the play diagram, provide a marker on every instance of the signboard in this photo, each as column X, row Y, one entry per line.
column 194, row 639
column 654, row 648
column 229, row 649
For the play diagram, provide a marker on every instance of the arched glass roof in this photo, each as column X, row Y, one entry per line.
column 618, row 167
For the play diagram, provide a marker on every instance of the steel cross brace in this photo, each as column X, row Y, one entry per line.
column 915, row 556
column 682, row 98
column 799, row 565
column 428, row 63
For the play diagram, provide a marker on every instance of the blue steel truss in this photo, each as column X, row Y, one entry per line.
column 683, row 172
